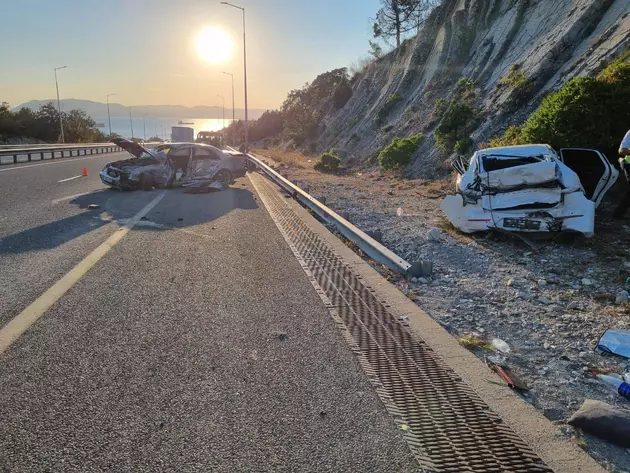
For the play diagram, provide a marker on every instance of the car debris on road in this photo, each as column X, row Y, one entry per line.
column 191, row 165
column 530, row 188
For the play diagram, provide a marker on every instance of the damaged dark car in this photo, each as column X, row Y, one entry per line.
column 191, row 165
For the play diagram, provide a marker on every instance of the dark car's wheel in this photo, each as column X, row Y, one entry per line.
column 145, row 182
column 224, row 176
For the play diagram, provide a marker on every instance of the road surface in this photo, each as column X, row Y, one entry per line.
column 195, row 343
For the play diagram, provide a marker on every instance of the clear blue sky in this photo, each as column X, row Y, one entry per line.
column 144, row 50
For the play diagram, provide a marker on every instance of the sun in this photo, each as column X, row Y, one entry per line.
column 214, row 45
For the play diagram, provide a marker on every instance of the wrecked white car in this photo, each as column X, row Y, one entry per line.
column 530, row 188
column 169, row 165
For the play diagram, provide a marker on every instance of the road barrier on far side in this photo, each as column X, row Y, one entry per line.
column 41, row 153
column 367, row 244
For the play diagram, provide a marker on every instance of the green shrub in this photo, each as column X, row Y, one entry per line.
column 522, row 87
column 455, row 120
column 463, row 146
column 399, row 152
column 590, row 112
column 387, row 128
column 440, row 108
column 343, row 93
column 328, row 162
column 512, row 136
column 465, row 85
column 387, row 107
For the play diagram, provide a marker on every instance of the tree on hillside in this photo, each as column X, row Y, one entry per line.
column 397, row 17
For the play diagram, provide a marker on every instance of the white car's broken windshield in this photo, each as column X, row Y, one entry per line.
column 496, row 162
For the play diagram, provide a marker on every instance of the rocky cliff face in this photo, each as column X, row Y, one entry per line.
column 547, row 41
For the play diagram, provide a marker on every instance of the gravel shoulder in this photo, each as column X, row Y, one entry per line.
column 550, row 303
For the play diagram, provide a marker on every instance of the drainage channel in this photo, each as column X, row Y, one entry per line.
column 447, row 426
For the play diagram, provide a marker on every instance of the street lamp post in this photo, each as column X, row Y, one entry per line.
column 222, row 110
column 233, row 109
column 144, row 126
column 232, row 75
column 63, row 138
column 130, row 122
column 244, row 73
column 109, row 119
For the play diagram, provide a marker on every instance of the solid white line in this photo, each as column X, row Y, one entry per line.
column 21, row 322
column 71, row 178
column 57, row 161
column 69, row 197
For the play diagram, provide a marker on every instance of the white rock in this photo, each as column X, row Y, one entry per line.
column 622, row 297
column 587, row 282
column 544, row 300
column 572, row 305
column 434, row 234
column 510, row 282
column 524, row 296
column 423, row 281
column 414, row 279
column 542, row 282
column 447, row 280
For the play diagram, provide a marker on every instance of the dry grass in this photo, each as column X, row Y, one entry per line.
column 290, row 158
column 470, row 342
column 431, row 189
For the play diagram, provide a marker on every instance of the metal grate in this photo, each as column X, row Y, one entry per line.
column 446, row 424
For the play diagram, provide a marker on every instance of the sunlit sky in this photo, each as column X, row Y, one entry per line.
column 145, row 51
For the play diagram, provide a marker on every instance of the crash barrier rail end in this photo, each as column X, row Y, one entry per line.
column 56, row 151
column 367, row 244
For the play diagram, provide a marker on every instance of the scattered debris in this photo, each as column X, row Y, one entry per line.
column 615, row 341
column 281, row 336
column 622, row 297
column 93, row 206
column 470, row 341
column 604, row 421
column 623, row 389
column 434, row 234
column 500, row 345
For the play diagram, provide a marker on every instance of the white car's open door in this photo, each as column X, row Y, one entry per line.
column 596, row 172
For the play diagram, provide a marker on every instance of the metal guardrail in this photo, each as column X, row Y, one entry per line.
column 54, row 152
column 367, row 244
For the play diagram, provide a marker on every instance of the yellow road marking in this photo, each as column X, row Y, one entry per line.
column 21, row 322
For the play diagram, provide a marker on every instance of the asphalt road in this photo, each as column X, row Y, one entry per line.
column 196, row 343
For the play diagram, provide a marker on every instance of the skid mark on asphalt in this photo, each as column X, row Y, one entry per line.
column 21, row 322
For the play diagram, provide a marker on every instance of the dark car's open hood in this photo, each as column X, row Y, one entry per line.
column 132, row 148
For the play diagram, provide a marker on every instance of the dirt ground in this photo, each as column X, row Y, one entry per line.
column 550, row 301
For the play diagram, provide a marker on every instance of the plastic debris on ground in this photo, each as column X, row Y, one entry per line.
column 623, row 388
column 500, row 345
column 616, row 341
column 94, row 206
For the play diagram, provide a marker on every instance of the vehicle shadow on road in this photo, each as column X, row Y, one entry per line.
column 177, row 209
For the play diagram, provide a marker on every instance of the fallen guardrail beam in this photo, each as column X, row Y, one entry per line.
column 367, row 244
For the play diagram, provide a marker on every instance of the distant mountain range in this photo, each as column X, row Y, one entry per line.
column 99, row 109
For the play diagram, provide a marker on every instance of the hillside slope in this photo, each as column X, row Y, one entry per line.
column 542, row 43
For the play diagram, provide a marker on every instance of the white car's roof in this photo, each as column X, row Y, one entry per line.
column 520, row 150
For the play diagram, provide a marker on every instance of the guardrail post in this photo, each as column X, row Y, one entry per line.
column 29, row 156
column 41, row 156
column 14, row 158
column 52, row 155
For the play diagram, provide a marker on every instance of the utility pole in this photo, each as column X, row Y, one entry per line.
column 223, row 111
column 109, row 119
column 130, row 122
column 233, row 109
column 63, row 138
column 244, row 74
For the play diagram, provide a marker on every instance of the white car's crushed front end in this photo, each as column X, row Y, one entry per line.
column 521, row 189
